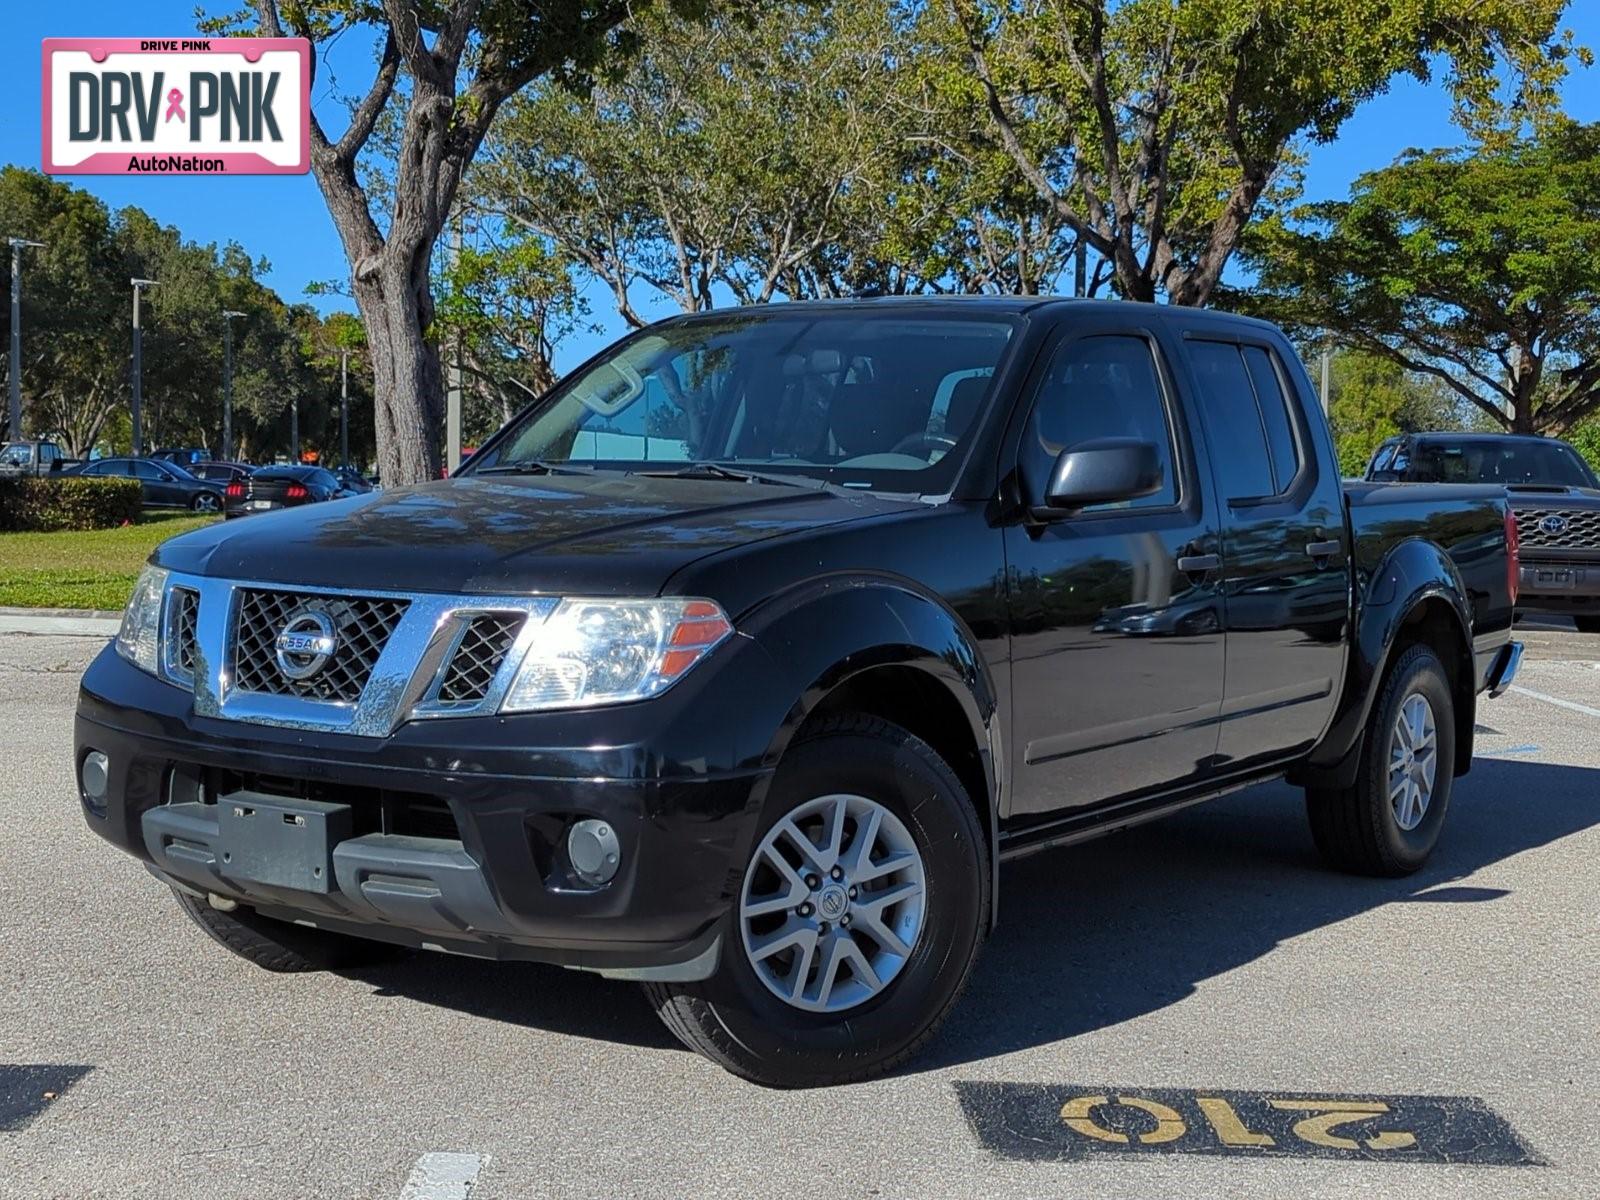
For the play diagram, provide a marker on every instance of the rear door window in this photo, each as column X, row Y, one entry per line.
column 1238, row 436
column 1275, row 416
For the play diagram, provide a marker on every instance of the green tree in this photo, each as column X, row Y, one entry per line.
column 1158, row 128
column 1480, row 268
column 1372, row 398
column 505, row 302
column 793, row 152
column 77, row 343
column 443, row 73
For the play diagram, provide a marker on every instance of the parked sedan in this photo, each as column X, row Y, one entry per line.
column 267, row 488
column 165, row 484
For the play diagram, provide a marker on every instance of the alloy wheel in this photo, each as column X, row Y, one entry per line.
column 832, row 903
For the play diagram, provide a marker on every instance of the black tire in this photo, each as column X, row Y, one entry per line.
column 279, row 946
column 736, row 1022
column 1356, row 828
column 205, row 502
column 1587, row 624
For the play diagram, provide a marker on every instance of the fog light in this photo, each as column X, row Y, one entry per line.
column 94, row 776
column 593, row 851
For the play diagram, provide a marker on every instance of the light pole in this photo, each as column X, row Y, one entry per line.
column 227, row 383
column 138, row 363
column 14, row 412
column 344, row 409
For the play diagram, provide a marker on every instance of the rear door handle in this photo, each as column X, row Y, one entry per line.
column 1324, row 549
column 1198, row 564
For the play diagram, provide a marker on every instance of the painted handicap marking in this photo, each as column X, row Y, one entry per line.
column 1043, row 1122
column 26, row 1090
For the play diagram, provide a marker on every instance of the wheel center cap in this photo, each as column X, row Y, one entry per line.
column 832, row 901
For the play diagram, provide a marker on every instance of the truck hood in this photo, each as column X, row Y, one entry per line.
column 1552, row 496
column 603, row 534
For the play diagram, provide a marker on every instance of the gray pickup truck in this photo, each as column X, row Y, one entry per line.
column 32, row 458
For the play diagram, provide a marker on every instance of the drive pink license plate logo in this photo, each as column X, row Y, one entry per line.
column 177, row 106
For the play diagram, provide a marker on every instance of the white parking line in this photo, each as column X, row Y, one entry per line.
column 443, row 1177
column 1556, row 700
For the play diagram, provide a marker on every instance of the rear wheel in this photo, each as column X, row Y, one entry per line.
column 1389, row 820
column 205, row 502
column 282, row 947
column 858, row 918
column 1587, row 624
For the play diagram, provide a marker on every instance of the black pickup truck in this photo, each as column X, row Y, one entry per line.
column 739, row 663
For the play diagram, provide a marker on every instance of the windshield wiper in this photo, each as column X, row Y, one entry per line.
column 714, row 470
column 535, row 466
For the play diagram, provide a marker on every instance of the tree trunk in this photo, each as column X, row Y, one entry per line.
column 408, row 383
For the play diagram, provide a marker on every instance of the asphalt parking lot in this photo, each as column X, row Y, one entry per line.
column 1208, row 956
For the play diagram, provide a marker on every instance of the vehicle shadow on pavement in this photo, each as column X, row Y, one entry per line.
column 535, row 995
column 1097, row 934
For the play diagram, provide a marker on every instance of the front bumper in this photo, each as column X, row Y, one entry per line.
column 447, row 834
column 1568, row 586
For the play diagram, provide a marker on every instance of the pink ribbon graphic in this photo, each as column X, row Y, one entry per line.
column 175, row 106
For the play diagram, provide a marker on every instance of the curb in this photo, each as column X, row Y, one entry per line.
column 60, row 622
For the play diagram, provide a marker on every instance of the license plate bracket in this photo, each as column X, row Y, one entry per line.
column 1555, row 577
column 280, row 841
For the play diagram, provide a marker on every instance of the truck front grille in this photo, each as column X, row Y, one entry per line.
column 1558, row 528
column 478, row 657
column 363, row 625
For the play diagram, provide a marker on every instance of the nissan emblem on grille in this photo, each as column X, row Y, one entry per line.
column 1554, row 524
column 306, row 643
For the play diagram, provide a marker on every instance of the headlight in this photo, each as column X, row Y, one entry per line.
column 610, row 651
column 138, row 640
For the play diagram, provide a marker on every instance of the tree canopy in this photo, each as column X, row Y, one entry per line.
column 77, row 341
column 791, row 152
column 1479, row 268
column 1158, row 128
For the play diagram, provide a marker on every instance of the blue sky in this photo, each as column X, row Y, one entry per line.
column 282, row 219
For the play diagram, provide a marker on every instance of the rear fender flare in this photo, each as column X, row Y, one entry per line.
column 1414, row 573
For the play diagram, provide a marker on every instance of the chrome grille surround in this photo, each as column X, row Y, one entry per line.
column 1582, row 531
column 406, row 673
column 179, row 651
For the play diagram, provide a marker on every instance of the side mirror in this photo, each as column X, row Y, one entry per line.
column 1102, row 472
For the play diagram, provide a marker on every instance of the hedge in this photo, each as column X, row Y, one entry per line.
column 30, row 504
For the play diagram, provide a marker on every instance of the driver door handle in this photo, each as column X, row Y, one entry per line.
column 1324, row 549
column 1198, row 564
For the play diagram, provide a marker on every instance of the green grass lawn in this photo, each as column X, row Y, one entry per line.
column 83, row 570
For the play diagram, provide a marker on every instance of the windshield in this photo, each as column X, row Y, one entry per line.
column 17, row 454
column 874, row 401
column 1507, row 462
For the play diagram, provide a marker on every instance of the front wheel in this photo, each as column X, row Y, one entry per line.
column 1388, row 821
column 858, row 917
column 1587, row 624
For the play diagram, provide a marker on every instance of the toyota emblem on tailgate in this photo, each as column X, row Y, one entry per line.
column 1554, row 524
column 305, row 644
